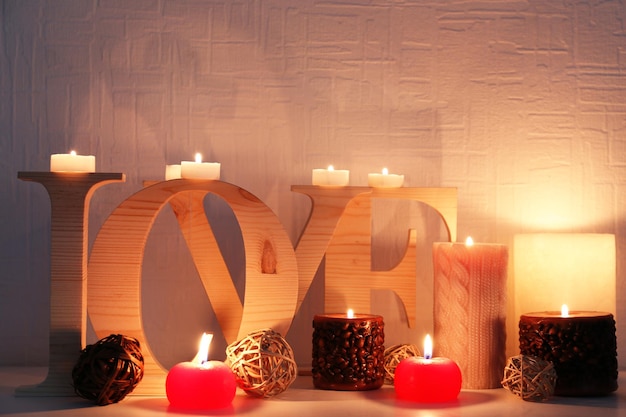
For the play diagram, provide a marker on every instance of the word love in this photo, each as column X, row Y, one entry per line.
column 276, row 274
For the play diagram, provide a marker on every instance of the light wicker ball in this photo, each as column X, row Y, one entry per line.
column 530, row 378
column 109, row 369
column 393, row 356
column 263, row 363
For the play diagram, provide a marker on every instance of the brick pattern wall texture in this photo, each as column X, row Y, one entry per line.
column 521, row 104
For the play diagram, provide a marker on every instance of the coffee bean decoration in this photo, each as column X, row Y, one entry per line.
column 348, row 353
column 582, row 347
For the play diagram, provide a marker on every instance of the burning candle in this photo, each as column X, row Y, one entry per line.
column 348, row 352
column 427, row 379
column 71, row 162
column 470, row 309
column 199, row 169
column 331, row 176
column 385, row 180
column 201, row 384
column 581, row 344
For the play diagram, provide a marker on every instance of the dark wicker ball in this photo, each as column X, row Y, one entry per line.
column 108, row 370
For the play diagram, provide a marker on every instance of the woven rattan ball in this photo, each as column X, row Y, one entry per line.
column 263, row 363
column 529, row 377
column 108, row 370
column 393, row 356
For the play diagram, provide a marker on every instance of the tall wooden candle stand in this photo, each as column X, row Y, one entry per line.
column 69, row 194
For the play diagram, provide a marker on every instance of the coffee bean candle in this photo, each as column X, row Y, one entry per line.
column 582, row 346
column 348, row 353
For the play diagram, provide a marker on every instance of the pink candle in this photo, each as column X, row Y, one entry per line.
column 470, row 309
column 427, row 379
column 201, row 384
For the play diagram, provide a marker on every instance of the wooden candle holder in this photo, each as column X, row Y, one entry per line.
column 69, row 194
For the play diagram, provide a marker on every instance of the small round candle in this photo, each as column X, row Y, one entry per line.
column 71, row 162
column 385, row 179
column 201, row 384
column 427, row 379
column 331, row 176
column 199, row 169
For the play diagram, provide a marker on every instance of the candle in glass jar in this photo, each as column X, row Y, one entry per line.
column 427, row 379
column 385, row 179
column 71, row 162
column 199, row 169
column 581, row 344
column 200, row 383
column 348, row 352
column 331, row 176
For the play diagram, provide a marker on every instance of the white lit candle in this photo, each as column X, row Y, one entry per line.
column 199, row 169
column 385, row 179
column 71, row 162
column 172, row 172
column 331, row 176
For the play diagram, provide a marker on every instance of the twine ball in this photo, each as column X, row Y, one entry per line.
column 263, row 363
column 393, row 356
column 529, row 377
column 108, row 370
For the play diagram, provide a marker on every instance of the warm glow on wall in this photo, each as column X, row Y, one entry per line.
column 551, row 269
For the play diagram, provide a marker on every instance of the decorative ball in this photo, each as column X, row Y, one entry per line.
column 529, row 377
column 108, row 370
column 393, row 356
column 263, row 363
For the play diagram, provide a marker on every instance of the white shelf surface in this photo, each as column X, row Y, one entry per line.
column 302, row 400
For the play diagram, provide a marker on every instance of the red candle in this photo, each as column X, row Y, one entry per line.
column 201, row 384
column 427, row 379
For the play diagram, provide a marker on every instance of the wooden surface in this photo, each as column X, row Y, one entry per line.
column 302, row 400
column 69, row 194
column 117, row 256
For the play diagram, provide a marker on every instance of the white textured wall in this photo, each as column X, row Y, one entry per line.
column 519, row 104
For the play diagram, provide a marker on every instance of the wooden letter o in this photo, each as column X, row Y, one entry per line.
column 115, row 266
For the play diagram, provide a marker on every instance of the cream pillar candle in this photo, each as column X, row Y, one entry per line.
column 331, row 176
column 71, row 162
column 470, row 309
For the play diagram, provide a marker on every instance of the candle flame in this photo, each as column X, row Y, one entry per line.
column 203, row 350
column 73, row 153
column 385, row 171
column 198, row 157
column 331, row 168
column 564, row 310
column 428, row 347
column 469, row 241
column 350, row 313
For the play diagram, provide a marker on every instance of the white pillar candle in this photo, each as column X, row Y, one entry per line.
column 199, row 169
column 71, row 162
column 470, row 309
column 172, row 172
column 331, row 176
column 385, row 179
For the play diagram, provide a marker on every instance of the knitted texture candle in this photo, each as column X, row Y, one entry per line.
column 470, row 309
